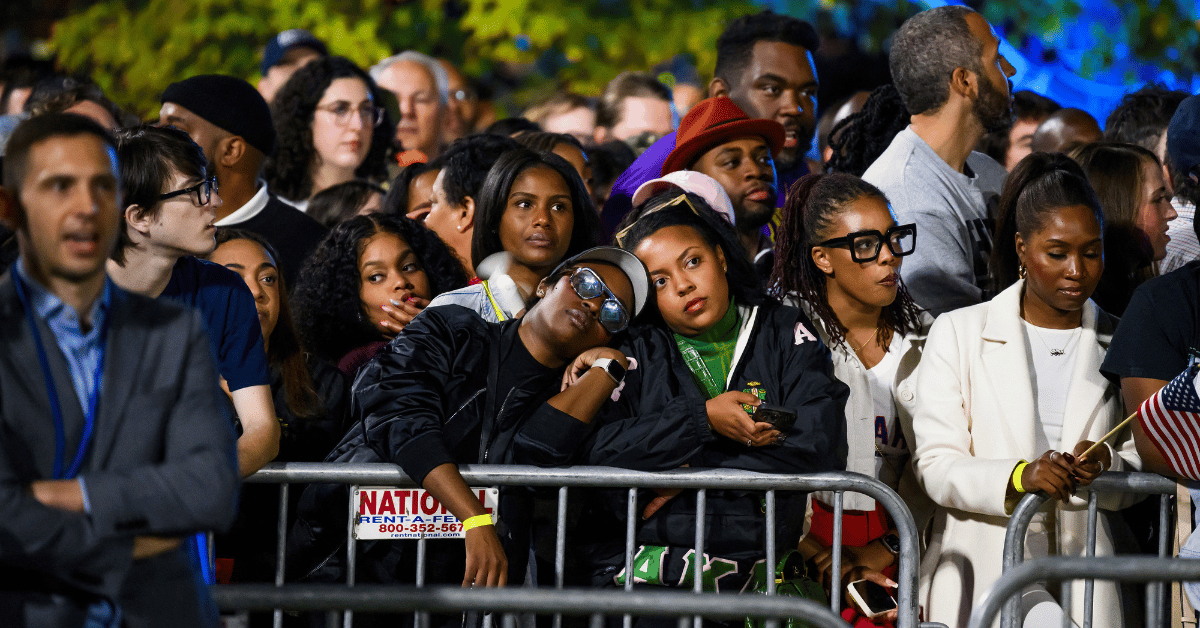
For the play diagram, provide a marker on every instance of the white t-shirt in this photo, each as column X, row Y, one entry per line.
column 891, row 448
column 1052, row 355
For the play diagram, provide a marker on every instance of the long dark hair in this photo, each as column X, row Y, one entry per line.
column 812, row 205
column 288, row 171
column 328, row 306
column 284, row 350
column 1039, row 185
column 653, row 215
column 859, row 139
column 493, row 200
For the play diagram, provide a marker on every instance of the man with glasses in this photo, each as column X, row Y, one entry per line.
column 232, row 124
column 170, row 206
column 453, row 389
column 116, row 438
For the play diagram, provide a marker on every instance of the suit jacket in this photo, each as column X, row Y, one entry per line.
column 161, row 462
column 974, row 423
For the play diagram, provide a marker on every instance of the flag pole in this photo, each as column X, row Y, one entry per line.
column 1109, row 435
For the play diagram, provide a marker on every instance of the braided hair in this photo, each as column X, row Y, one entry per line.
column 812, row 205
column 861, row 138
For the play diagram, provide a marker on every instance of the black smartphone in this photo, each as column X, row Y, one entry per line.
column 871, row 598
column 779, row 417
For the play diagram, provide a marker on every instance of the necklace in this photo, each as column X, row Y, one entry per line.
column 1053, row 351
column 863, row 345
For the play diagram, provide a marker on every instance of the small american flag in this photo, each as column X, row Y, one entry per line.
column 1171, row 419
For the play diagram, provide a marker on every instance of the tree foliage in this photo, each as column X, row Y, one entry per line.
column 134, row 48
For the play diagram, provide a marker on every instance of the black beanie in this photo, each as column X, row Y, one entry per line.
column 229, row 103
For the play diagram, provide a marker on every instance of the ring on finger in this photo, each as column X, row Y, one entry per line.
column 749, row 442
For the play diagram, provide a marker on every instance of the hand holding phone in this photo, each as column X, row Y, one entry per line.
column 872, row 599
column 779, row 417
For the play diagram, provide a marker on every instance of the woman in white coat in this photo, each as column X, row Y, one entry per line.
column 1014, row 380
column 838, row 254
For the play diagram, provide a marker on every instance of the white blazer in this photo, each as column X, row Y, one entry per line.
column 974, row 422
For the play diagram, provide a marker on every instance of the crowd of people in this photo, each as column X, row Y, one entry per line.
column 349, row 264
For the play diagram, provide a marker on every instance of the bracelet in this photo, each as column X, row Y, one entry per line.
column 477, row 521
column 1016, row 476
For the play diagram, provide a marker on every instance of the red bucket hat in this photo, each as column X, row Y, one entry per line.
column 714, row 121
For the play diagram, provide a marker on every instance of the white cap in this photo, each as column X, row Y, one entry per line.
column 697, row 183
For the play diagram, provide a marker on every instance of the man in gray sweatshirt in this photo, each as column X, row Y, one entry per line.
column 946, row 65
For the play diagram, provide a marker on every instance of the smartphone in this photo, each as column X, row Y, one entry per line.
column 872, row 599
column 779, row 417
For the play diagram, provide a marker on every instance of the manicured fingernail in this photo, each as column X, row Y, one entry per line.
column 395, row 302
column 1070, row 458
column 891, row 584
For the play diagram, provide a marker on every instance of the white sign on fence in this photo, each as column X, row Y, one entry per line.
column 411, row 513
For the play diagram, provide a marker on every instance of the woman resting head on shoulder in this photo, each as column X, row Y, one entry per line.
column 365, row 281
column 699, row 274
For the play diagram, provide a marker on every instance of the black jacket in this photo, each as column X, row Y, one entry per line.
column 659, row 422
column 427, row 399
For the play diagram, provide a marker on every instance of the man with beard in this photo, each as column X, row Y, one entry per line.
column 718, row 139
column 947, row 66
column 765, row 66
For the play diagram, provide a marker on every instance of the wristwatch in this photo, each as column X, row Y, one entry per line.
column 612, row 368
column 891, row 542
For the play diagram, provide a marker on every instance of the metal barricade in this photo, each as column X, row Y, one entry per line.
column 1137, row 483
column 515, row 601
column 377, row 474
column 1153, row 570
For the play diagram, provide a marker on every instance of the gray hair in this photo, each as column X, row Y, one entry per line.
column 925, row 52
column 439, row 73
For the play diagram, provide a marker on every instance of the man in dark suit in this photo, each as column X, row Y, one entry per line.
column 114, row 442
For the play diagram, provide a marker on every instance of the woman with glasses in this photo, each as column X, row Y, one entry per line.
column 715, row 353
column 838, row 252
column 329, row 129
column 453, row 389
column 533, row 211
column 838, row 256
column 1010, row 396
column 171, row 203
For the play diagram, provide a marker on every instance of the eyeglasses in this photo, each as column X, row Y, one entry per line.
column 342, row 111
column 588, row 285
column 682, row 199
column 864, row 246
column 201, row 192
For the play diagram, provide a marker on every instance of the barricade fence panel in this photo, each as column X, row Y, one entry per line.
column 1147, row 569
column 516, row 601
column 565, row 479
column 1113, row 482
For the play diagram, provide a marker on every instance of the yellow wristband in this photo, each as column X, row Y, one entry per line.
column 1016, row 476
column 477, row 521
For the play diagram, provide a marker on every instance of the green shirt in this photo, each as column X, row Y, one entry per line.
column 709, row 356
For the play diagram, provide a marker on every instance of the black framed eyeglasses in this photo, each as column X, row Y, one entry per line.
column 864, row 246
column 588, row 285
column 201, row 192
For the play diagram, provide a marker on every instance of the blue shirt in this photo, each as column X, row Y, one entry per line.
column 80, row 349
column 230, row 318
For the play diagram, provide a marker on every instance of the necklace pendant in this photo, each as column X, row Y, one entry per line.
column 1057, row 352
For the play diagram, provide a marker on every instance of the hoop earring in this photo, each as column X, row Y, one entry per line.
column 1021, row 271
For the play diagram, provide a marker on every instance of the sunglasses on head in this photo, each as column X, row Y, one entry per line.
column 588, row 285
column 865, row 246
column 682, row 199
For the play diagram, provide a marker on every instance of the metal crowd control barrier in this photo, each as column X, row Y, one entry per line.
column 1137, row 483
column 379, row 474
column 514, row 601
column 1057, row 568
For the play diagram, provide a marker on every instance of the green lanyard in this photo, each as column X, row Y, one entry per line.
column 699, row 369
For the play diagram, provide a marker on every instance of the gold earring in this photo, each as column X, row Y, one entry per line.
column 1021, row 270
